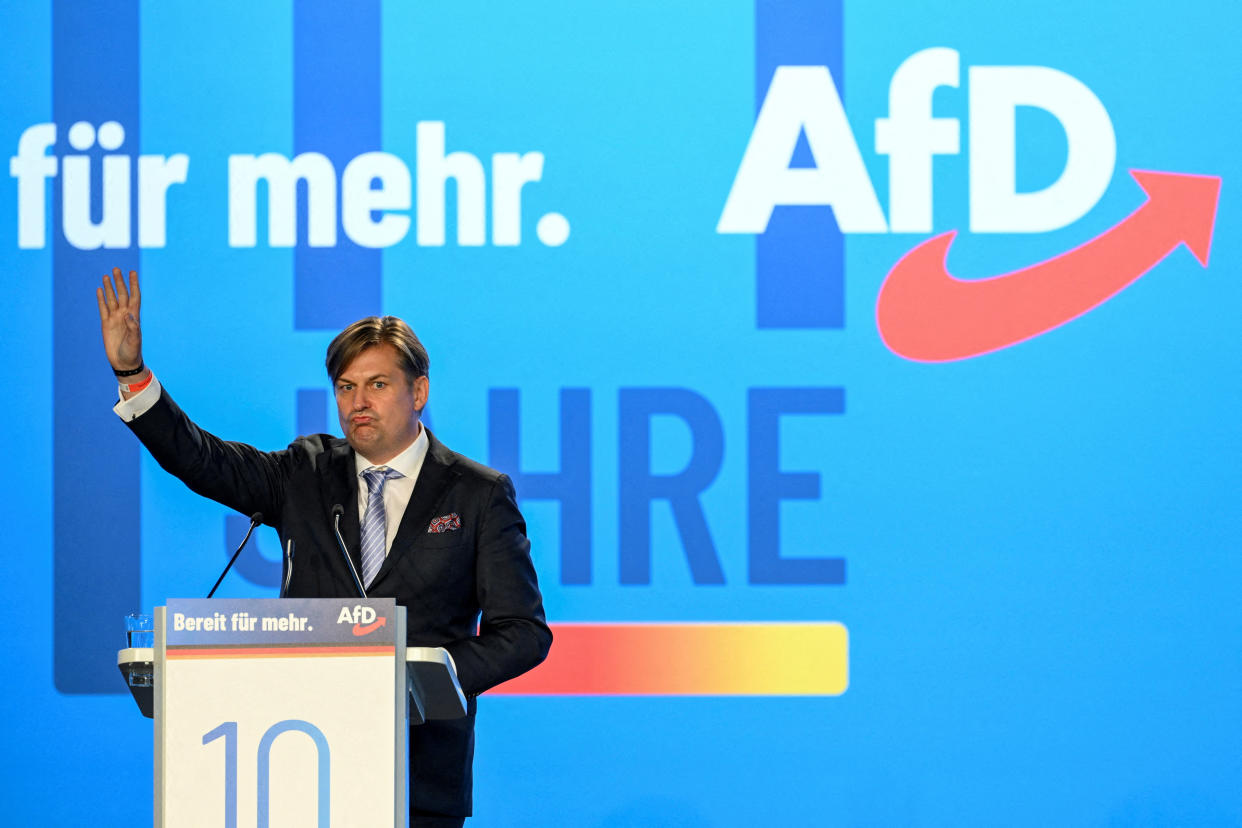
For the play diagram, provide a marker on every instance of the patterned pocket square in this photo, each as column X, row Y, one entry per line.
column 445, row 523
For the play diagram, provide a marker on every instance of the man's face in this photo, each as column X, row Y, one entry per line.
column 378, row 405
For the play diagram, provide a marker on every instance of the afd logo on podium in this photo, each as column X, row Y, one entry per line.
column 365, row 620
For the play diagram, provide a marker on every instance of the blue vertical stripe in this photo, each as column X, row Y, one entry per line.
column 800, row 260
column 336, row 112
column 96, row 485
column 312, row 416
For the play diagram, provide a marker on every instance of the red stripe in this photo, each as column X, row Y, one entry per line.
column 701, row 659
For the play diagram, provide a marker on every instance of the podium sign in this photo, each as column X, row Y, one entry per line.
column 284, row 712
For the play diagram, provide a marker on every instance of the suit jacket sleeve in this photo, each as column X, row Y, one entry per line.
column 234, row 474
column 513, row 636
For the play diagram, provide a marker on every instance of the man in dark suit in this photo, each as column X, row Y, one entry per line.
column 425, row 525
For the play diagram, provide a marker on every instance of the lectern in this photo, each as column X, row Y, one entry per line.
column 285, row 711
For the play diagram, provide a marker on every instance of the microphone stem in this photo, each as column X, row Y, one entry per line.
column 284, row 587
column 242, row 545
column 336, row 527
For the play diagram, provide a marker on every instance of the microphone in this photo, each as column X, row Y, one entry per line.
column 284, row 587
column 337, row 511
column 255, row 520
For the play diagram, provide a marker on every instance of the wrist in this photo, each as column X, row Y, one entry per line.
column 123, row 373
column 133, row 385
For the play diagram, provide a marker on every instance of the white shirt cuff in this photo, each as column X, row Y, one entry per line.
column 139, row 404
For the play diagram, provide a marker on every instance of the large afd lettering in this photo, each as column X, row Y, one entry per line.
column 804, row 101
column 911, row 136
column 801, row 100
column 995, row 204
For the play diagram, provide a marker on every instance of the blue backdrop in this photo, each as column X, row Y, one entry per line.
column 1034, row 549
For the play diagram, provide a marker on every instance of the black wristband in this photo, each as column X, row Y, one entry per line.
column 141, row 367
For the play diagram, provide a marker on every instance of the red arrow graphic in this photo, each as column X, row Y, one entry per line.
column 369, row 628
column 925, row 314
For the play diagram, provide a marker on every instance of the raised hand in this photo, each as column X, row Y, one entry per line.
column 120, row 320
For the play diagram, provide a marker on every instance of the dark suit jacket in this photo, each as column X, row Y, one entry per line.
column 445, row 580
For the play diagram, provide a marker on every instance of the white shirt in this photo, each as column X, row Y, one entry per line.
column 397, row 491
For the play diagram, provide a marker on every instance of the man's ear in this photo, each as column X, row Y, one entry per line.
column 422, row 390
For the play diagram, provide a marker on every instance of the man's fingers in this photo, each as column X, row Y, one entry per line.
column 114, row 296
column 109, row 294
column 121, row 293
column 135, row 295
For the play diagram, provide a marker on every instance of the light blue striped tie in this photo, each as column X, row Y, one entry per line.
column 375, row 523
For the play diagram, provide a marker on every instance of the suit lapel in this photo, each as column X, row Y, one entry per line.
column 435, row 478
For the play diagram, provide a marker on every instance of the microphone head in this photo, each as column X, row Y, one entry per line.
column 337, row 510
column 256, row 518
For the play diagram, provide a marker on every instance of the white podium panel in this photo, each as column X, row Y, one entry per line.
column 280, row 713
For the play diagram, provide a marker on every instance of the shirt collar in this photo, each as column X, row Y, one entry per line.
column 408, row 462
